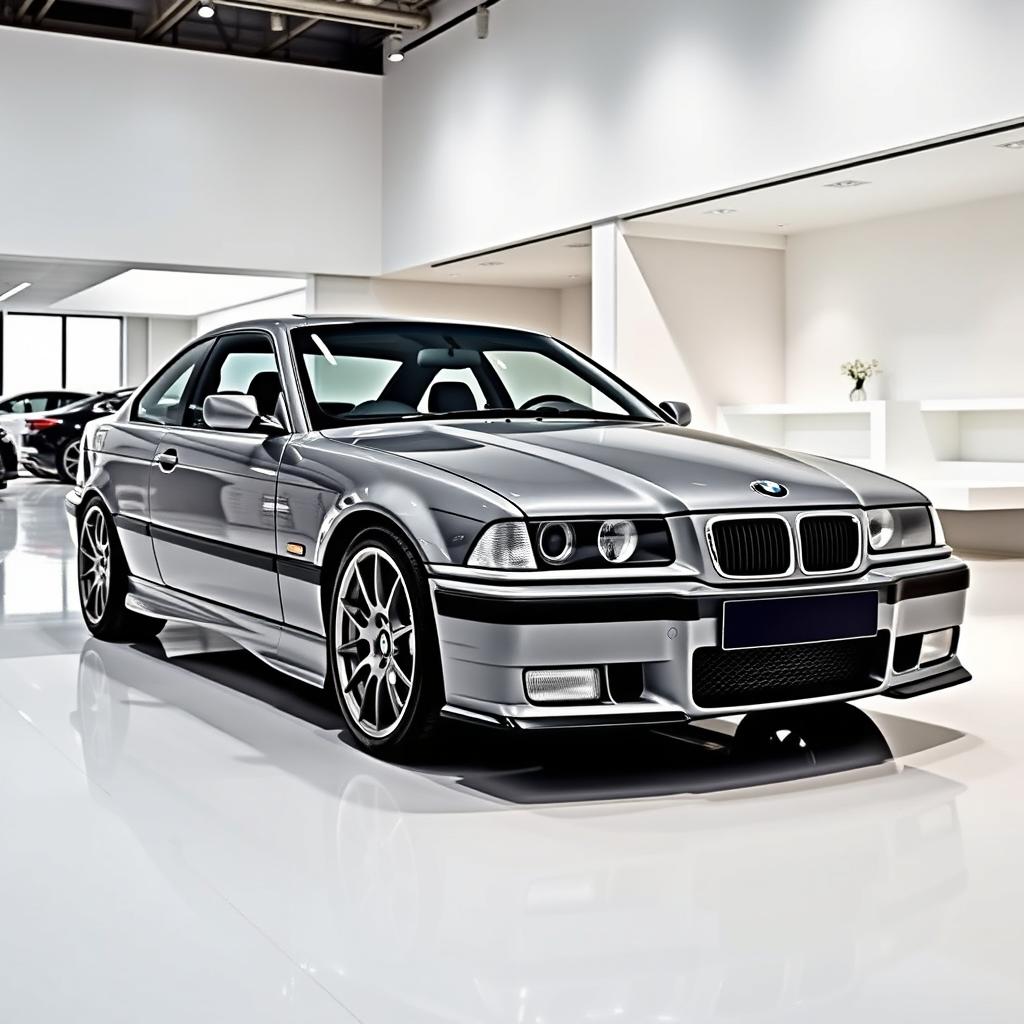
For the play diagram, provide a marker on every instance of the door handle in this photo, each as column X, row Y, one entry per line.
column 167, row 460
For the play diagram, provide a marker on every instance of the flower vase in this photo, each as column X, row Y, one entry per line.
column 857, row 392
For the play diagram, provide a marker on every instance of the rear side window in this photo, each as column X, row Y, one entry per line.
column 163, row 401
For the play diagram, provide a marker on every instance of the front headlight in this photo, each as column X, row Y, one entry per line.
column 574, row 544
column 895, row 529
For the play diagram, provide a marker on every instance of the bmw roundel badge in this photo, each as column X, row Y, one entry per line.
column 769, row 488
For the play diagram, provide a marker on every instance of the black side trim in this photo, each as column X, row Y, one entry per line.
column 951, row 677
column 243, row 556
column 933, row 583
column 295, row 569
column 532, row 612
column 592, row 721
column 130, row 525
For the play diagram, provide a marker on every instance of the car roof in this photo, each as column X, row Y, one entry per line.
column 299, row 320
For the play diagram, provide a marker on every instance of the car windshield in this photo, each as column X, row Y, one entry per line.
column 383, row 371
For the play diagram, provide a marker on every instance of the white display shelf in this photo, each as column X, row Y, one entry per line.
column 850, row 431
column 973, row 495
column 966, row 454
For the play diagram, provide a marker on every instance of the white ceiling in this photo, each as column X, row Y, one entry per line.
column 181, row 293
column 958, row 173
column 554, row 263
column 50, row 280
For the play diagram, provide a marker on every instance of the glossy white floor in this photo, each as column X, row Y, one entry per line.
column 187, row 836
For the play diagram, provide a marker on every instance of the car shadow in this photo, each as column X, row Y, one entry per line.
column 799, row 745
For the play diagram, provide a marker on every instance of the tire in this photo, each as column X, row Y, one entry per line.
column 103, row 581
column 67, row 460
column 383, row 660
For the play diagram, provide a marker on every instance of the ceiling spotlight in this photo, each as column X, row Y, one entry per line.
column 722, row 211
column 846, row 183
column 11, row 292
column 276, row 22
column 1016, row 144
column 206, row 9
column 393, row 48
column 483, row 22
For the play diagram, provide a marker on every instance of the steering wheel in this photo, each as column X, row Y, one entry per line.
column 551, row 400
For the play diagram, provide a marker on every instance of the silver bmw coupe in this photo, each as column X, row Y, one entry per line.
column 445, row 520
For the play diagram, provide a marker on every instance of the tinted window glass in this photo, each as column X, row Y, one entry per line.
column 351, row 372
column 163, row 401
column 241, row 364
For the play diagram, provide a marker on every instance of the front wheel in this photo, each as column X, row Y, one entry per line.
column 383, row 652
column 103, row 581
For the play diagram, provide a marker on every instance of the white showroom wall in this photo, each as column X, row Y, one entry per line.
column 535, row 309
column 702, row 323
column 581, row 110
column 279, row 305
column 153, row 154
column 166, row 336
column 935, row 296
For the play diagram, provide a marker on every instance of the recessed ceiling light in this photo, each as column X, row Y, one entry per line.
column 721, row 211
column 1016, row 144
column 846, row 183
column 573, row 277
column 492, row 263
column 11, row 292
column 577, row 245
column 206, row 10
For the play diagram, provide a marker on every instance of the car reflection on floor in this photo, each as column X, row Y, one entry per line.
column 528, row 882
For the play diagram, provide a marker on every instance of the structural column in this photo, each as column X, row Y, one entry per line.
column 605, row 240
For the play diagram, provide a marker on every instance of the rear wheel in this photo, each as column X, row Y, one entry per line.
column 383, row 653
column 103, row 581
column 67, row 460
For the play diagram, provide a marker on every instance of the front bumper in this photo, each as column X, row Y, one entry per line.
column 491, row 634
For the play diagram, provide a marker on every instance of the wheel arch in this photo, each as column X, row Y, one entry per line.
column 346, row 529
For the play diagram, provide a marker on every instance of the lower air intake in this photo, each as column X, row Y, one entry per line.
column 775, row 675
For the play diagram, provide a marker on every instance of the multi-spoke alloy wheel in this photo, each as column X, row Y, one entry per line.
column 103, row 580
column 384, row 664
column 376, row 642
column 69, row 460
column 95, row 565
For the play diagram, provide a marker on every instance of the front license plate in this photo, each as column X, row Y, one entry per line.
column 779, row 621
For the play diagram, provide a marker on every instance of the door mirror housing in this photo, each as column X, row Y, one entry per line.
column 678, row 411
column 230, row 412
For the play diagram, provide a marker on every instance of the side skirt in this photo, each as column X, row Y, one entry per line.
column 292, row 651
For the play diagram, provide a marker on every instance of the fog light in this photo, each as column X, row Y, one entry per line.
column 563, row 685
column 937, row 646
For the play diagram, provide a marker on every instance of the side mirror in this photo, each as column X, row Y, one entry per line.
column 230, row 412
column 679, row 411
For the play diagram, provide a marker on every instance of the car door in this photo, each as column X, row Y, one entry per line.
column 128, row 446
column 213, row 493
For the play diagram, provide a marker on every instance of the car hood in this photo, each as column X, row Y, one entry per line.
column 573, row 468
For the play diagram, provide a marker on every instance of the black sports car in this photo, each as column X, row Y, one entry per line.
column 8, row 458
column 52, row 444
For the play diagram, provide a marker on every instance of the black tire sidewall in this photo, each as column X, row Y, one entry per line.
column 428, row 690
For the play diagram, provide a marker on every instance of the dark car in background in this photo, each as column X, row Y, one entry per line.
column 8, row 458
column 51, row 445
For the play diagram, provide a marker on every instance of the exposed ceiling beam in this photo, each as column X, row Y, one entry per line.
column 43, row 11
column 349, row 13
column 162, row 23
column 284, row 38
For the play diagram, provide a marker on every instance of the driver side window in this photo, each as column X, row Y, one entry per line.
column 241, row 364
column 162, row 402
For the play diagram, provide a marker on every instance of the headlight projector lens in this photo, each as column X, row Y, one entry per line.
column 616, row 540
column 557, row 542
column 882, row 527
